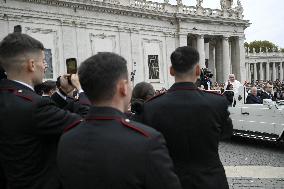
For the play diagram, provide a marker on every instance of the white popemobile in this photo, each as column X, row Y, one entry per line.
column 260, row 121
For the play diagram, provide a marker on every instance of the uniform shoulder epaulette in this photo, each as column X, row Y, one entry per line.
column 18, row 93
column 156, row 96
column 213, row 92
column 72, row 125
column 127, row 123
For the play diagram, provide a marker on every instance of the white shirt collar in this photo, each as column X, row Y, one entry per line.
column 61, row 95
column 27, row 85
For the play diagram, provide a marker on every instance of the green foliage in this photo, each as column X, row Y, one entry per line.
column 282, row 50
column 262, row 46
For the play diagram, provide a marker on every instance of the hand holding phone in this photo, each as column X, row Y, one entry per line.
column 71, row 65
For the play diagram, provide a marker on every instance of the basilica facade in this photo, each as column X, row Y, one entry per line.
column 145, row 33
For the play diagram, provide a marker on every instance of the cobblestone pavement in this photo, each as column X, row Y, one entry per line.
column 257, row 164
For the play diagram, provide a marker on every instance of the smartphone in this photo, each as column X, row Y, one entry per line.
column 71, row 64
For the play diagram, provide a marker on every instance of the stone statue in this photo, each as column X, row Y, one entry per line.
column 179, row 2
column 226, row 4
column 223, row 4
column 198, row 3
column 239, row 7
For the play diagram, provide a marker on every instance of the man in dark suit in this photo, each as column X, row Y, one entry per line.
column 107, row 150
column 252, row 98
column 267, row 93
column 193, row 122
column 30, row 125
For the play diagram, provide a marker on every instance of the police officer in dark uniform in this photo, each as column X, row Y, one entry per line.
column 2, row 175
column 30, row 125
column 106, row 150
column 192, row 121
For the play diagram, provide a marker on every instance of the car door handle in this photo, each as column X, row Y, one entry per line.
column 245, row 113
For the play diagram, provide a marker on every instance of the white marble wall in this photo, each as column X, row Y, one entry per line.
column 78, row 33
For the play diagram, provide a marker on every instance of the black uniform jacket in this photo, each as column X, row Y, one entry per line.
column 108, row 151
column 30, row 127
column 71, row 104
column 265, row 95
column 251, row 99
column 193, row 122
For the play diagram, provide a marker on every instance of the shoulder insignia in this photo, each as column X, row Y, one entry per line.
column 156, row 96
column 213, row 92
column 126, row 123
column 72, row 125
column 18, row 93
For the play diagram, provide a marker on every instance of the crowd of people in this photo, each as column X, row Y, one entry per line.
column 90, row 130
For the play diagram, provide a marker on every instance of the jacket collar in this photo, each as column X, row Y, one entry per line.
column 183, row 86
column 104, row 112
column 6, row 83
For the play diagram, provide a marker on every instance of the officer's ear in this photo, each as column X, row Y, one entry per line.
column 30, row 63
column 172, row 71
column 123, row 87
column 197, row 70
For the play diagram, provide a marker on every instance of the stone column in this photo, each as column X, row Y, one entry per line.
column 226, row 58
column 254, row 71
column 281, row 71
column 218, row 60
column 200, row 48
column 125, row 46
column 249, row 73
column 211, row 63
column 246, row 65
column 182, row 40
column 136, row 56
column 267, row 77
column 260, row 71
column 274, row 71
column 238, row 58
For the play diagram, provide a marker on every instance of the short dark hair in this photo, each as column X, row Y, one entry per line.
column 16, row 44
column 100, row 73
column 184, row 58
column 143, row 91
column 48, row 85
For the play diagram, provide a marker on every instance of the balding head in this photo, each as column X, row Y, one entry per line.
column 254, row 91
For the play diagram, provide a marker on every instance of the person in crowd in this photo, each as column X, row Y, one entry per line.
column 267, row 93
column 236, row 84
column 107, row 150
column 229, row 94
column 63, row 96
column 253, row 98
column 30, row 126
column 142, row 92
column 192, row 121
column 46, row 88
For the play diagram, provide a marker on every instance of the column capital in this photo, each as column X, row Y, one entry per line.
column 201, row 36
column 225, row 37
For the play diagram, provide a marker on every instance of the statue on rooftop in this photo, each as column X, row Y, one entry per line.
column 239, row 7
column 226, row 4
column 199, row 3
column 179, row 2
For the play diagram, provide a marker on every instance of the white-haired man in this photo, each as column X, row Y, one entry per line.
column 236, row 84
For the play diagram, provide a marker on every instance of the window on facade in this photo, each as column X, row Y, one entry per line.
column 153, row 64
column 48, row 60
